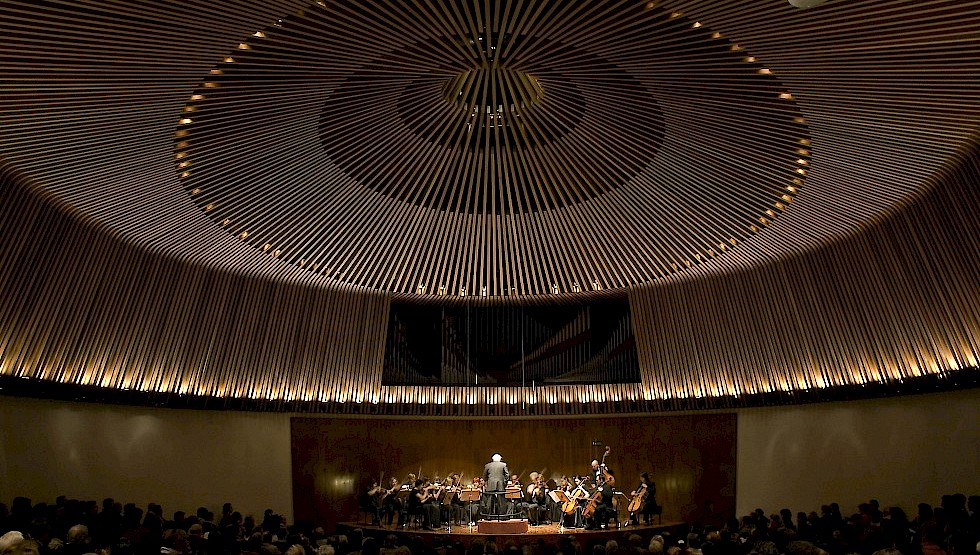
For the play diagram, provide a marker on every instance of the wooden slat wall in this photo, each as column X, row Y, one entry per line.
column 123, row 281
column 894, row 302
column 899, row 300
column 81, row 306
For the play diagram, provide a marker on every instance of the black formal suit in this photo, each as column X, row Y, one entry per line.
column 495, row 475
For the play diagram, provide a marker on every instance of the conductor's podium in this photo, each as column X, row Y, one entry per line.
column 495, row 527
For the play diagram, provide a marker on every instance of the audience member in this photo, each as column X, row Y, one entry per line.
column 83, row 527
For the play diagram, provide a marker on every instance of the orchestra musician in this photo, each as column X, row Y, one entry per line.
column 514, row 495
column 391, row 504
column 558, row 509
column 580, row 494
column 472, row 507
column 375, row 496
column 537, row 500
column 604, row 509
column 533, row 479
column 421, row 502
column 648, row 503
column 595, row 474
column 453, row 508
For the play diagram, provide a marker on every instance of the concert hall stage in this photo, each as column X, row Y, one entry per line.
column 550, row 533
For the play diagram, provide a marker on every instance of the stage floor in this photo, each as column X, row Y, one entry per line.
column 543, row 531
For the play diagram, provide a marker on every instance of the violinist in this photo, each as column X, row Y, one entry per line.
column 533, row 477
column 391, row 504
column 472, row 507
column 537, row 500
column 421, row 503
column 375, row 495
column 436, row 490
column 514, row 494
column 451, row 503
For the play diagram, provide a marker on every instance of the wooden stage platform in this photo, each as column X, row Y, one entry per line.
column 503, row 531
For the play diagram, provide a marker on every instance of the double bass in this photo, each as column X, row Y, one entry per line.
column 607, row 476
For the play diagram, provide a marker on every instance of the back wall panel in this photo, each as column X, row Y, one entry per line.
column 692, row 458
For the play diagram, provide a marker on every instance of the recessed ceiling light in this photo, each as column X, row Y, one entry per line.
column 804, row 4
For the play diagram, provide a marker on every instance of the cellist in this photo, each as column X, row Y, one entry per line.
column 602, row 505
column 647, row 492
column 566, row 512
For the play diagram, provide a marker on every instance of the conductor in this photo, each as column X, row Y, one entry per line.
column 495, row 475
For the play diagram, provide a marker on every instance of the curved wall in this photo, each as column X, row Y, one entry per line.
column 901, row 450
column 181, row 459
column 84, row 307
column 895, row 302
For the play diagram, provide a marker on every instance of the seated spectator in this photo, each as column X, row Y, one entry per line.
column 21, row 547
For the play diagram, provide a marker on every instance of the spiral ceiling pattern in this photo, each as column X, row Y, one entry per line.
column 223, row 199
column 407, row 130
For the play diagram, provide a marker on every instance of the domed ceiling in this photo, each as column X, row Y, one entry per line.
column 461, row 148
column 505, row 147
column 218, row 198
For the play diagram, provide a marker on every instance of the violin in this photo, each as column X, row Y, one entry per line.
column 377, row 493
column 429, row 492
column 399, row 491
column 537, row 489
column 434, row 489
column 537, row 486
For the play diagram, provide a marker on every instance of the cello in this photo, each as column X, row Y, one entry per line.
column 573, row 498
column 607, row 478
column 589, row 509
column 637, row 502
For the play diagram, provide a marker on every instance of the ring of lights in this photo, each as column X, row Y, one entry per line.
column 554, row 136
